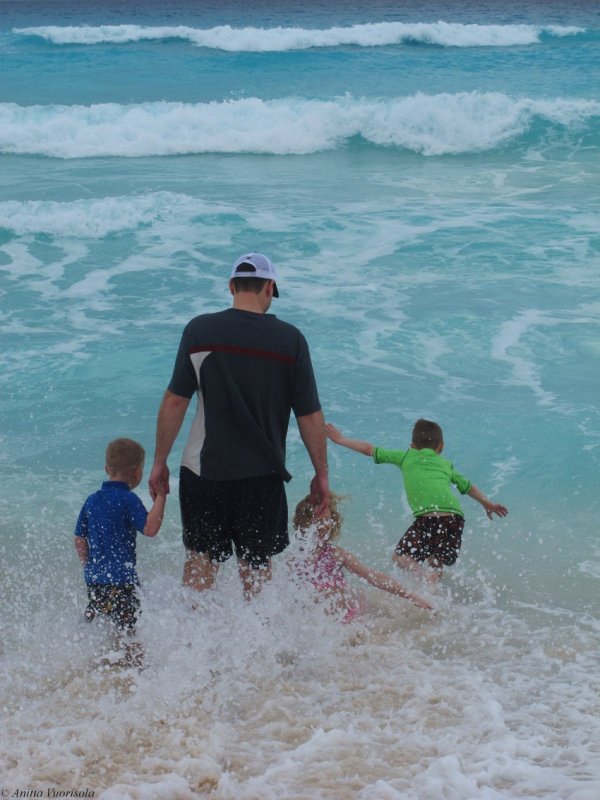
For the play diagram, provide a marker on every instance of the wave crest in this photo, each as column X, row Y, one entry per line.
column 378, row 34
column 428, row 124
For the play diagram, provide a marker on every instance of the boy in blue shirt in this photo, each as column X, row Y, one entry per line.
column 105, row 536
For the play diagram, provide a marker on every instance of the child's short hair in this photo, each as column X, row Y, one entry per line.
column 123, row 455
column 427, row 434
column 303, row 516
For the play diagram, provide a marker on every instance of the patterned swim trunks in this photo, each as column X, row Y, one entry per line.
column 435, row 539
column 120, row 603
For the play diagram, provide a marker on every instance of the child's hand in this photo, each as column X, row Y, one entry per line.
column 495, row 508
column 333, row 433
column 418, row 601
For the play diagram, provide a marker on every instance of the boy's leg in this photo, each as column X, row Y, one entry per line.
column 413, row 548
column 409, row 564
column 123, row 606
column 90, row 612
column 436, row 570
column 134, row 654
column 446, row 544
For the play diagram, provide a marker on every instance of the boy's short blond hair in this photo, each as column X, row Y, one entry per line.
column 304, row 515
column 123, row 455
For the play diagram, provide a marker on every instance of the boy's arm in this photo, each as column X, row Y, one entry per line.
column 490, row 508
column 366, row 448
column 378, row 579
column 155, row 516
column 82, row 548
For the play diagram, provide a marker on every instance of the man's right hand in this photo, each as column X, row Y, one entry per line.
column 319, row 495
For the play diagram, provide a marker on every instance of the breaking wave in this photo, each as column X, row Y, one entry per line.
column 379, row 34
column 427, row 124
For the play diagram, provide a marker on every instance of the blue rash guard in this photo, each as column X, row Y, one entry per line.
column 109, row 522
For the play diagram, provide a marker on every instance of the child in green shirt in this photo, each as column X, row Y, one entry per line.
column 435, row 535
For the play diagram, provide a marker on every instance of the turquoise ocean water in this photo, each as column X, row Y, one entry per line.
column 426, row 176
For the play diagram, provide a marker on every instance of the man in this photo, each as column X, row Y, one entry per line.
column 249, row 371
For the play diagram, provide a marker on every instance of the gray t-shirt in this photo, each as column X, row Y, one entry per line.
column 249, row 371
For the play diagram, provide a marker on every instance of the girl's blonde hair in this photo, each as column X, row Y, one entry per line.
column 304, row 515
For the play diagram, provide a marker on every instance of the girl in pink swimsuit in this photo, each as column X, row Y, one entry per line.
column 322, row 563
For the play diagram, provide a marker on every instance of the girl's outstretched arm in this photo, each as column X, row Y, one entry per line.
column 378, row 579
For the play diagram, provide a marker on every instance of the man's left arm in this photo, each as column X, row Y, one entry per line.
column 312, row 431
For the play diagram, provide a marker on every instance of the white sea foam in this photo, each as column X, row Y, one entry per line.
column 508, row 346
column 429, row 124
column 275, row 700
column 590, row 568
column 503, row 472
column 528, row 370
column 379, row 34
column 97, row 218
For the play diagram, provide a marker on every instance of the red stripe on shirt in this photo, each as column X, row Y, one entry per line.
column 242, row 351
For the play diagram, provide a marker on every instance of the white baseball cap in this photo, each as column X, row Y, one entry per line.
column 255, row 265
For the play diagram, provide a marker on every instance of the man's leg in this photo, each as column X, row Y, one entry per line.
column 253, row 578
column 199, row 572
column 259, row 529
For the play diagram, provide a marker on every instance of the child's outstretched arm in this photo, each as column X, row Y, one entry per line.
column 366, row 448
column 378, row 579
column 490, row 508
column 155, row 516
